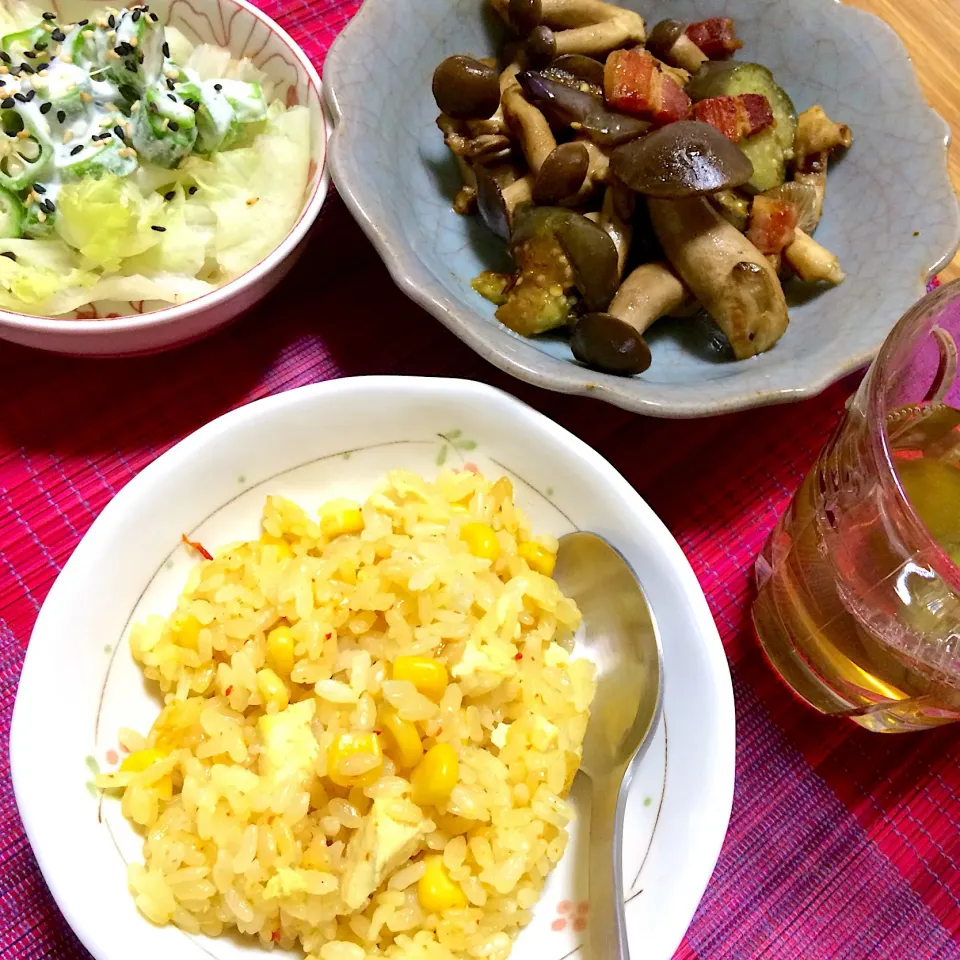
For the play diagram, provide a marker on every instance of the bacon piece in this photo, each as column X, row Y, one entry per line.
column 716, row 37
column 633, row 83
column 773, row 225
column 735, row 117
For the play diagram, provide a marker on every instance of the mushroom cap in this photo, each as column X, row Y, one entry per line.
column 466, row 88
column 562, row 174
column 564, row 105
column 606, row 343
column 663, row 36
column 683, row 159
column 541, row 46
column 591, row 252
column 524, row 15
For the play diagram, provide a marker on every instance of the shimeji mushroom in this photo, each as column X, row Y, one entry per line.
column 670, row 44
column 602, row 37
column 683, row 159
column 531, row 127
column 466, row 88
column 613, row 341
column 733, row 280
column 616, row 217
column 811, row 261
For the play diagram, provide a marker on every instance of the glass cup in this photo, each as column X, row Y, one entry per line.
column 859, row 585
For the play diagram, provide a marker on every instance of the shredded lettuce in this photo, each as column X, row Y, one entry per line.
column 37, row 272
column 256, row 192
column 16, row 15
column 108, row 219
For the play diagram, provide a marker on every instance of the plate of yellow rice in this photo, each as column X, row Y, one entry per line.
column 308, row 686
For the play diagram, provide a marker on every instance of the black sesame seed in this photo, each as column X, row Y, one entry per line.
column 31, row 95
column 159, row 229
column 154, row 18
column 30, row 54
column 171, row 85
column 112, row 22
column 192, row 191
column 118, row 130
column 131, row 67
column 82, row 23
column 61, row 116
column 40, row 188
column 26, row 68
column 9, row 256
column 170, row 96
column 173, row 125
column 102, row 136
column 5, row 57
column 170, row 195
column 48, row 205
column 136, row 15
column 20, row 97
column 58, row 35
column 8, row 103
column 45, row 107
column 76, row 149
column 166, row 48
column 49, row 16
column 121, row 49
column 218, row 87
column 40, row 45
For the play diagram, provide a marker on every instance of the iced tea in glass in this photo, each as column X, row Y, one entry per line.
column 859, row 584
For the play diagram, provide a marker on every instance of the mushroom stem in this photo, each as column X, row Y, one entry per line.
column 812, row 261
column 531, row 126
column 812, row 172
column 466, row 198
column 728, row 275
column 679, row 74
column 651, row 291
column 686, row 54
column 577, row 13
column 601, row 37
column 817, row 133
column 620, row 228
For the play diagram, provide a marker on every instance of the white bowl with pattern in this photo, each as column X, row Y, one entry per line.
column 129, row 328
column 80, row 682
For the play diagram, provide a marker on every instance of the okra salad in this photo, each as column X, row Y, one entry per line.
column 636, row 175
column 133, row 165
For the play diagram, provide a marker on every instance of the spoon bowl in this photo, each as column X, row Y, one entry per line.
column 620, row 637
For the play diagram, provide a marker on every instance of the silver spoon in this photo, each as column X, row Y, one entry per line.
column 620, row 637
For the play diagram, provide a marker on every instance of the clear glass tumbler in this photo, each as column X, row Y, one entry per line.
column 859, row 584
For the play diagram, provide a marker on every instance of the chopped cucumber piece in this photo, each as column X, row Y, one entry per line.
column 17, row 44
column 164, row 129
column 770, row 149
column 98, row 159
column 230, row 111
column 11, row 215
column 23, row 159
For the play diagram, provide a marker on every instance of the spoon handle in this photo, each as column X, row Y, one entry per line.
column 608, row 924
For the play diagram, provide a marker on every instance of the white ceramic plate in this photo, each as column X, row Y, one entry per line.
column 80, row 683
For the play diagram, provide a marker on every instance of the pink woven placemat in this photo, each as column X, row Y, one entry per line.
column 841, row 844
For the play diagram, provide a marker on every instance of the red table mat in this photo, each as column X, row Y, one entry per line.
column 841, row 844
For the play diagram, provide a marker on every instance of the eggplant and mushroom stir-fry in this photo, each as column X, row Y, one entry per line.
column 636, row 176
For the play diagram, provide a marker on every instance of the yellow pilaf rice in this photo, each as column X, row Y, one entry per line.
column 244, row 826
